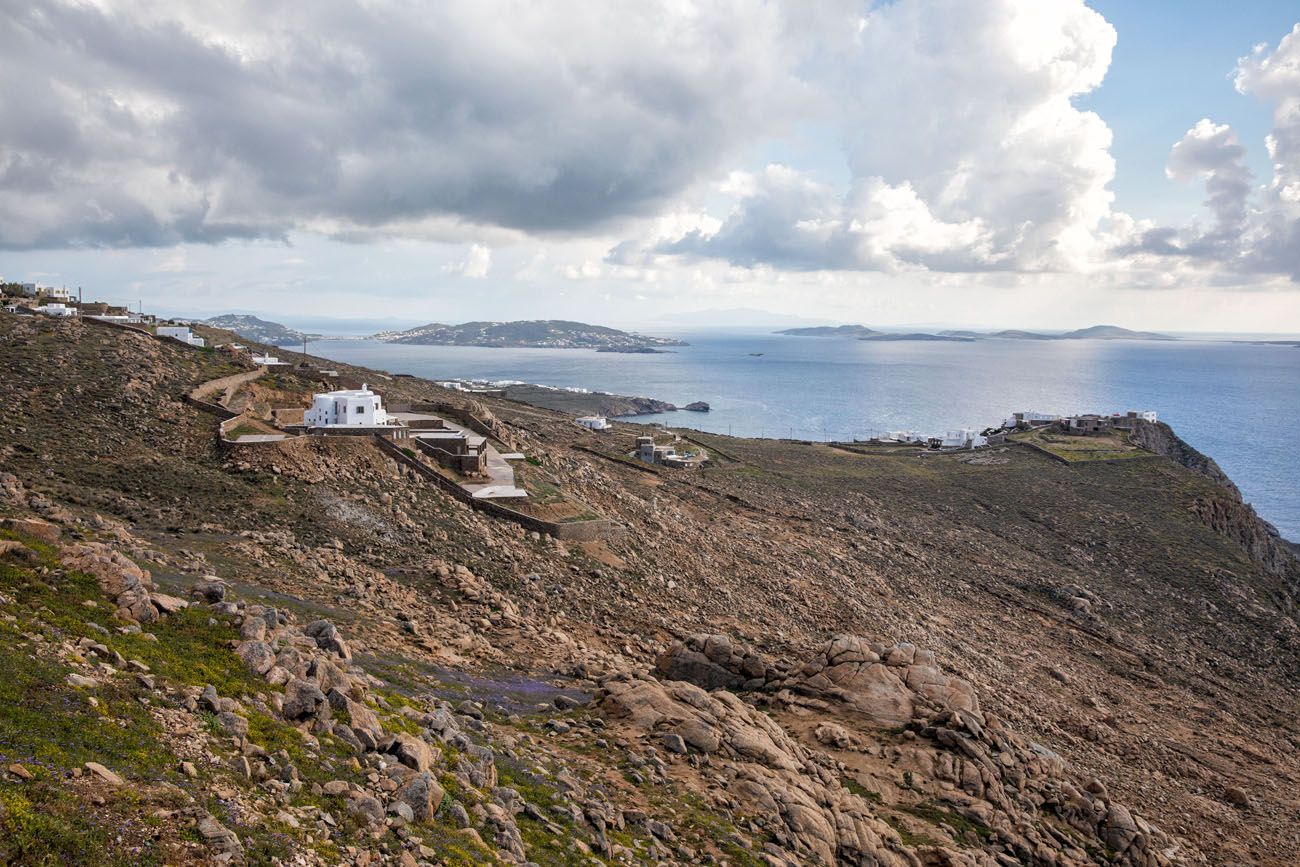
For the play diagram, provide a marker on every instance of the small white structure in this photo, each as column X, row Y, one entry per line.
column 358, row 407
column 181, row 333
column 963, row 438
column 60, row 293
column 267, row 361
column 1145, row 415
column 905, row 436
column 56, row 310
column 593, row 422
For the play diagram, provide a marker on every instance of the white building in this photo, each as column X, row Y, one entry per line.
column 56, row 310
column 60, row 293
column 963, row 438
column 181, row 333
column 593, row 422
column 905, row 436
column 1145, row 415
column 359, row 407
column 1029, row 419
column 267, row 360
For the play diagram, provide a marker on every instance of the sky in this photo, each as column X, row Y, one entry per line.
column 963, row 163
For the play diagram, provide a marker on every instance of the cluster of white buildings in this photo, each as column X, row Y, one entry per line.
column 1083, row 423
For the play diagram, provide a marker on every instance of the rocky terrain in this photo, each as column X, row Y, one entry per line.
column 542, row 333
column 801, row 654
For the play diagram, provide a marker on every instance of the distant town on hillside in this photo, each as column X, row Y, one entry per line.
column 539, row 333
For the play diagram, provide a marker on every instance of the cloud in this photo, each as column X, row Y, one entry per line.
column 965, row 148
column 1255, row 231
column 475, row 265
column 148, row 124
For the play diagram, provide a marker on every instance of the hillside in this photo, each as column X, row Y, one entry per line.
column 259, row 330
column 802, row 654
column 1112, row 332
column 543, row 333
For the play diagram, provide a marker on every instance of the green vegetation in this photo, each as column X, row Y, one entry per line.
column 1108, row 447
column 967, row 831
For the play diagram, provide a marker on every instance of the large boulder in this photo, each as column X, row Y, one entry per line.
column 413, row 752
column 712, row 662
column 257, row 656
column 328, row 638
column 422, row 794
column 303, row 699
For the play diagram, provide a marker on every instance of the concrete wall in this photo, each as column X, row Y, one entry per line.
column 581, row 531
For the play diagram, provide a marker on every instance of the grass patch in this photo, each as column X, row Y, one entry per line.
column 967, row 830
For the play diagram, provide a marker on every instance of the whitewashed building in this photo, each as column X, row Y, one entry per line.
column 359, row 407
column 56, row 310
column 963, row 438
column 1029, row 419
column 181, row 333
column 267, row 360
column 593, row 422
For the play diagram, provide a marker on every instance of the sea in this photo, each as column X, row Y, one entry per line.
column 1237, row 402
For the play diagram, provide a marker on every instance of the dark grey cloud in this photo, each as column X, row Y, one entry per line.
column 147, row 124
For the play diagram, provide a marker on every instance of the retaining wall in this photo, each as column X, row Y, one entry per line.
column 580, row 531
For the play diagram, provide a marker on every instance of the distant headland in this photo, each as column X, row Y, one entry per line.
column 862, row 332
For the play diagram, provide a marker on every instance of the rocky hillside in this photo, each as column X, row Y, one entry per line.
column 803, row 654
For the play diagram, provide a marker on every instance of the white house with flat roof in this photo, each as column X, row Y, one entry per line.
column 358, row 407
column 593, row 422
column 181, row 333
column 56, row 310
column 267, row 360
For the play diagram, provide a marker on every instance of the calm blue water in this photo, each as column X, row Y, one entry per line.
column 1240, row 404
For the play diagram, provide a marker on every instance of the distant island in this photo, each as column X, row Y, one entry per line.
column 857, row 331
column 861, row 332
column 260, row 330
column 887, row 337
column 540, row 333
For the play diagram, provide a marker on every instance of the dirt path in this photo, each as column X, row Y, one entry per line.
column 226, row 384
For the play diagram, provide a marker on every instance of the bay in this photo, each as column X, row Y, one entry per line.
column 1238, row 403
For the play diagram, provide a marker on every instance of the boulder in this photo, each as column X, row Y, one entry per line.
column 41, row 531
column 257, row 656
column 209, row 589
column 105, row 774
column 412, row 752
column 328, row 638
column 422, row 794
column 221, row 839
column 712, row 662
column 168, row 604
column 303, row 699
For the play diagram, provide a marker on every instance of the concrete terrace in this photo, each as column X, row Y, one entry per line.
column 500, row 484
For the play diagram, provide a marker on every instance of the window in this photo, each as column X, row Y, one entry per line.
column 358, row 409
